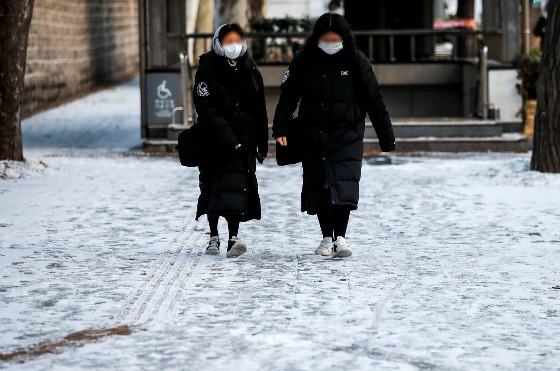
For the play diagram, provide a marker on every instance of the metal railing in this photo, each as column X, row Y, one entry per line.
column 484, row 81
column 186, row 96
column 379, row 45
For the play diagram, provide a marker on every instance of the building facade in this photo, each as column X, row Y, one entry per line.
column 296, row 8
column 78, row 44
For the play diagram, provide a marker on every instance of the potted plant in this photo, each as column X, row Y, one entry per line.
column 279, row 49
column 529, row 66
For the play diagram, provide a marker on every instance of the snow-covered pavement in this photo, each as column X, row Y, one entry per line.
column 108, row 119
column 455, row 259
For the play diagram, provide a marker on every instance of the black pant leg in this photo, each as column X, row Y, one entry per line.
column 233, row 225
column 340, row 216
column 213, row 222
column 325, row 223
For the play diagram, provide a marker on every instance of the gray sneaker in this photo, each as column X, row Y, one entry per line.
column 236, row 247
column 213, row 247
column 325, row 248
column 341, row 248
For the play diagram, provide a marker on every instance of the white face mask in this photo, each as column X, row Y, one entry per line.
column 233, row 51
column 330, row 48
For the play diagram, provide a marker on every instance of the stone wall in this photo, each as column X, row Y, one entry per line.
column 75, row 45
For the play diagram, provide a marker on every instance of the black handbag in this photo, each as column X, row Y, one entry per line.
column 292, row 153
column 195, row 148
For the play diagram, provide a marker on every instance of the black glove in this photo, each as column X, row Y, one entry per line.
column 260, row 158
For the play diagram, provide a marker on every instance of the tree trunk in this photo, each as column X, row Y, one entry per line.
column 257, row 8
column 465, row 44
column 204, row 23
column 15, row 18
column 231, row 11
column 546, row 141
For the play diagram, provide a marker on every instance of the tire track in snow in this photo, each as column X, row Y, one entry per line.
column 186, row 264
column 133, row 298
column 156, row 298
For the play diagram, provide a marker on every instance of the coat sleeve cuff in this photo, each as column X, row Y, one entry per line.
column 387, row 147
column 279, row 133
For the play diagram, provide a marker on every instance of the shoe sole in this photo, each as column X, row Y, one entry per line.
column 236, row 250
column 326, row 253
column 213, row 252
column 342, row 254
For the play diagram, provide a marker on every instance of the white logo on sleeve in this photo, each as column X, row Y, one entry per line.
column 202, row 89
column 286, row 76
column 344, row 73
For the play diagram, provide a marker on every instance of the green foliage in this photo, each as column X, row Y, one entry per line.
column 529, row 67
column 278, row 49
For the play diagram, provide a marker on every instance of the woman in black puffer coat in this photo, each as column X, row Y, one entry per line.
column 229, row 98
column 335, row 86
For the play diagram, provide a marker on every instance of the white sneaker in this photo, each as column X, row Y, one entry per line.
column 341, row 248
column 325, row 248
column 213, row 247
column 236, row 247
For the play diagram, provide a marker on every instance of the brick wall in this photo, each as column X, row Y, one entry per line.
column 77, row 44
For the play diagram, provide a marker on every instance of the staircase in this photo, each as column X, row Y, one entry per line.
column 453, row 136
column 457, row 135
column 415, row 135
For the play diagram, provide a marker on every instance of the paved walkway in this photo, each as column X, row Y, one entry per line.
column 454, row 264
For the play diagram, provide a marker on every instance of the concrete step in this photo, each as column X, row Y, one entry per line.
column 173, row 130
column 412, row 136
column 415, row 128
column 442, row 129
column 512, row 127
column 504, row 143
column 420, row 128
column 158, row 145
column 439, row 129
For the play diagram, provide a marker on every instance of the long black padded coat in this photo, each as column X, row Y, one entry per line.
column 334, row 97
column 237, row 115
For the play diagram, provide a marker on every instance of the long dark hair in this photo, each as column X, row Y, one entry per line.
column 336, row 23
column 219, row 67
